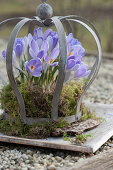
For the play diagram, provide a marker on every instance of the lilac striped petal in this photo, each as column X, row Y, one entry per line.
column 39, row 32
column 4, row 56
column 81, row 71
column 50, row 42
column 30, row 38
column 47, row 33
column 39, row 41
column 76, row 67
column 86, row 73
column 78, row 50
column 71, row 57
column 35, row 34
column 75, row 42
column 47, row 58
column 45, row 46
column 25, row 43
column 69, row 38
column 76, row 58
column 55, row 42
column 13, row 58
column 70, row 64
column 31, row 52
column 34, row 47
column 40, row 54
column 54, row 54
column 19, row 50
column 54, row 34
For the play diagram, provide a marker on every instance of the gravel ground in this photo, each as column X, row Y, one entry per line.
column 31, row 158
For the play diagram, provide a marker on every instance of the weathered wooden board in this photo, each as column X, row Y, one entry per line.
column 103, row 161
column 105, row 130
column 100, row 134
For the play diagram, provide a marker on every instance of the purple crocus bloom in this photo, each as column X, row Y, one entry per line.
column 52, row 40
column 75, row 50
column 20, row 46
column 75, row 57
column 49, row 60
column 82, row 71
column 37, row 52
column 34, row 66
column 4, row 57
column 49, row 35
column 78, row 50
column 71, row 40
column 38, row 33
column 72, row 64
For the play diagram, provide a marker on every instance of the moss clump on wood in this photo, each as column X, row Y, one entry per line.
column 38, row 104
column 35, row 131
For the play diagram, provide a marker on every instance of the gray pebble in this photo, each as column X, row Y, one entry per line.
column 52, row 167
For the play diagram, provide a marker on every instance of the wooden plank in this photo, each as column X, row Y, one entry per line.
column 51, row 143
column 100, row 134
column 105, row 130
column 102, row 161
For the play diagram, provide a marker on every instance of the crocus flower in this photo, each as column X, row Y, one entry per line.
column 13, row 59
column 49, row 35
column 4, row 56
column 36, row 51
column 74, row 56
column 78, row 50
column 82, row 71
column 49, row 60
column 71, row 40
column 39, row 34
column 20, row 46
column 75, row 50
column 72, row 63
column 52, row 40
column 34, row 66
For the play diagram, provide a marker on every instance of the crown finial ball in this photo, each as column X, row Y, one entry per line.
column 44, row 11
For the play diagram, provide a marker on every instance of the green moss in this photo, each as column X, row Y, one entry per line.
column 87, row 114
column 38, row 131
column 14, row 128
column 38, row 104
column 78, row 139
column 82, row 138
column 69, row 97
column 65, row 137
